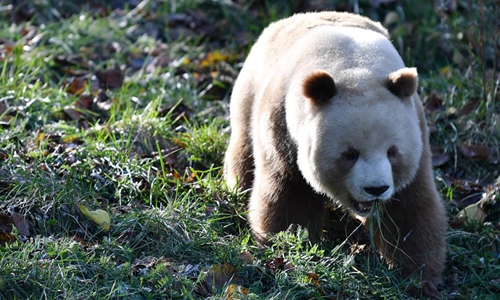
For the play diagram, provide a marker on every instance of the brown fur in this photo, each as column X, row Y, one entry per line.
column 262, row 156
column 319, row 86
column 403, row 83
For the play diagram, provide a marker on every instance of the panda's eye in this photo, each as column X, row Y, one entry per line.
column 392, row 152
column 351, row 154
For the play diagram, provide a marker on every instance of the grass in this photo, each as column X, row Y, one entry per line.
column 150, row 154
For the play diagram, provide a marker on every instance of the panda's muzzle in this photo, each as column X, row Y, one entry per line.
column 363, row 208
column 376, row 191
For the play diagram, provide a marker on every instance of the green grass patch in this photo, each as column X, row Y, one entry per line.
column 125, row 109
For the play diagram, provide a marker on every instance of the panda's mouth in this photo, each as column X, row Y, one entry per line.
column 363, row 208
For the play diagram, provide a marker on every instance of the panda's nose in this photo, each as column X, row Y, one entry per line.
column 376, row 190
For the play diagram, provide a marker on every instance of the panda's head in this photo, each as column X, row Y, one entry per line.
column 359, row 143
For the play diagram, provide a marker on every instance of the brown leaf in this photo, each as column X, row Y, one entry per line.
column 246, row 257
column 475, row 151
column 22, row 226
column 76, row 85
column 5, row 223
column 439, row 157
column 81, row 241
column 433, row 103
column 314, row 278
column 190, row 178
column 84, row 101
column 439, row 160
column 6, row 238
column 110, row 78
column 176, row 175
column 276, row 263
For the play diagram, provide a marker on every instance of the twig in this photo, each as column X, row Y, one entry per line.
column 471, row 52
column 482, row 46
column 496, row 65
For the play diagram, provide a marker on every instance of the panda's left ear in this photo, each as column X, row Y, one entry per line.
column 403, row 82
column 319, row 86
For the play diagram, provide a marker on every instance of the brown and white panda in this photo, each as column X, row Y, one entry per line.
column 324, row 109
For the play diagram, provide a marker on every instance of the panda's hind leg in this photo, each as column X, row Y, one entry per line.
column 239, row 160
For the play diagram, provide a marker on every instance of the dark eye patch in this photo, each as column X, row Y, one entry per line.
column 351, row 154
column 392, row 152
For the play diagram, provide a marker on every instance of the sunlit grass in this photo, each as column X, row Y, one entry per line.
column 153, row 158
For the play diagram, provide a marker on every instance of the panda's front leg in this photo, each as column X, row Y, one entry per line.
column 277, row 202
column 412, row 232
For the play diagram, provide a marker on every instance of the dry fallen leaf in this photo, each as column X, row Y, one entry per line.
column 110, row 78
column 246, row 257
column 99, row 216
column 433, row 103
column 313, row 278
column 439, row 156
column 233, row 290
column 22, row 226
column 473, row 212
column 219, row 275
column 279, row 263
column 81, row 241
column 5, row 223
column 6, row 238
column 77, row 85
column 475, row 151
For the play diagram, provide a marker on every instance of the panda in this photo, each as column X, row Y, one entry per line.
column 324, row 110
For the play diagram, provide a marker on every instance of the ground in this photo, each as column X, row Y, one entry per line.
column 119, row 110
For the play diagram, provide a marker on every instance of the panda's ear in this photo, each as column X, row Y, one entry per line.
column 319, row 86
column 403, row 82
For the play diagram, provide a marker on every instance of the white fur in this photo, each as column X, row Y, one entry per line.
column 363, row 115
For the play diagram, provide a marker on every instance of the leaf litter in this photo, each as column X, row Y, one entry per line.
column 6, row 222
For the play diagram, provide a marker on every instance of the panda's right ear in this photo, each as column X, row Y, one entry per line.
column 319, row 86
